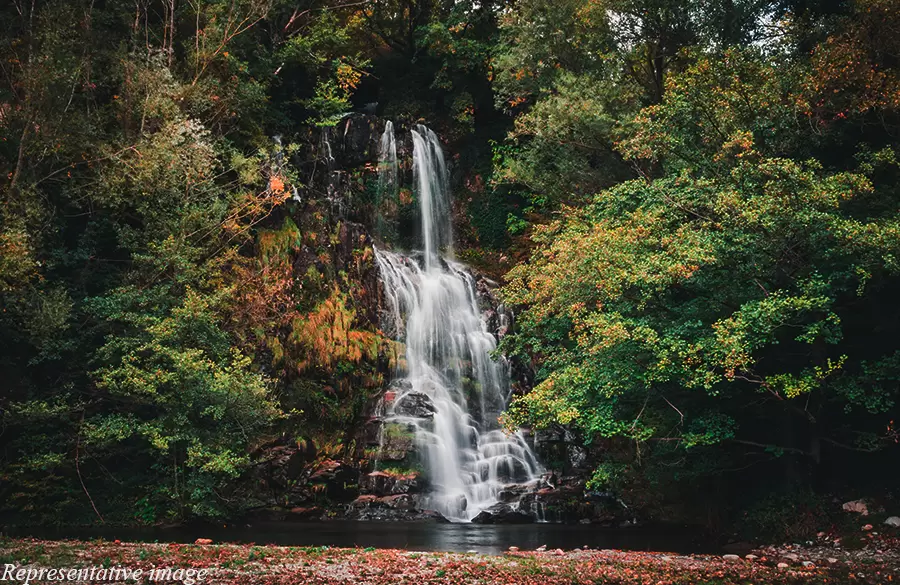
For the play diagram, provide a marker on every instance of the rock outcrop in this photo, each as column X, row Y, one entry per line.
column 381, row 483
column 502, row 513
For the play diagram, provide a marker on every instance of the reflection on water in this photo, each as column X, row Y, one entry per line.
column 423, row 536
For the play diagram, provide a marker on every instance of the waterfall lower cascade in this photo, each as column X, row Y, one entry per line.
column 450, row 393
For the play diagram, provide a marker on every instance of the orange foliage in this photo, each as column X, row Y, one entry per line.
column 325, row 336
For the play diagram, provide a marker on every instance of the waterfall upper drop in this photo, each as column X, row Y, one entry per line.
column 450, row 392
column 432, row 185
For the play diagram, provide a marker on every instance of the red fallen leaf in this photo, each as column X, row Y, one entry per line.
column 203, row 541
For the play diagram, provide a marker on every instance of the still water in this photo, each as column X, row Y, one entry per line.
column 419, row 536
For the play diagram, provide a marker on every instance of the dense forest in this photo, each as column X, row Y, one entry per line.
column 692, row 208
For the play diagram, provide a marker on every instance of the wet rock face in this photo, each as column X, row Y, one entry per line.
column 397, row 507
column 280, row 469
column 513, row 493
column 397, row 443
column 356, row 140
column 564, row 446
column 380, row 483
column 494, row 314
column 415, row 404
column 501, row 513
column 338, row 480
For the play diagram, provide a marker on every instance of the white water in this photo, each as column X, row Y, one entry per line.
column 432, row 188
column 388, row 184
column 388, row 168
column 433, row 303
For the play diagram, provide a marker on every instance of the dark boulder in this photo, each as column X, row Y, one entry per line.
column 414, row 404
column 501, row 513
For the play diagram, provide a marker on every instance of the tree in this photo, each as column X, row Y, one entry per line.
column 721, row 312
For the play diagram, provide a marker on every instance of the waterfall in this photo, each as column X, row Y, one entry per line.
column 388, row 184
column 450, row 393
column 432, row 185
column 333, row 179
column 388, row 168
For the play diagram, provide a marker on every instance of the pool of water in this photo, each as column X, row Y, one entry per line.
column 419, row 536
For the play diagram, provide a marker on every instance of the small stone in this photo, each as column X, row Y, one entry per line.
column 203, row 541
column 783, row 565
column 893, row 521
column 513, row 549
column 867, row 527
column 792, row 557
column 665, row 558
column 809, row 564
column 831, row 560
column 542, row 548
column 751, row 557
column 731, row 558
column 856, row 506
column 559, row 552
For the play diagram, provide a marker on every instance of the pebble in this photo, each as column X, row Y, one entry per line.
column 893, row 521
column 751, row 557
column 203, row 541
column 783, row 565
column 832, row 560
column 792, row 557
column 809, row 564
column 731, row 558
column 471, row 552
column 513, row 549
column 867, row 527
column 559, row 552
column 542, row 548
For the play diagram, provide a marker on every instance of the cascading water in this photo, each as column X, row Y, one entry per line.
column 432, row 184
column 388, row 167
column 448, row 365
column 332, row 181
column 388, row 183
